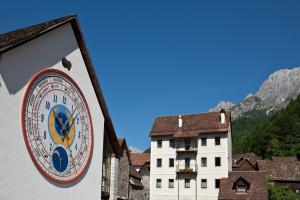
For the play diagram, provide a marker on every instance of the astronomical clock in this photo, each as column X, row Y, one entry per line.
column 57, row 126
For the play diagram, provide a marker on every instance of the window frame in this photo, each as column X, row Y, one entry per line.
column 217, row 141
column 217, row 183
column 171, row 181
column 204, row 144
column 159, row 144
column 157, row 162
column 220, row 162
column 170, row 162
column 158, row 183
column 172, row 143
column 202, row 159
column 187, row 183
column 204, row 181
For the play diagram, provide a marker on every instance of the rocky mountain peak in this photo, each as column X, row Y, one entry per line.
column 275, row 93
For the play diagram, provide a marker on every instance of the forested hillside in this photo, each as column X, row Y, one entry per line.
column 277, row 135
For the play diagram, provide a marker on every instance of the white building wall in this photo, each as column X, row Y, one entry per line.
column 114, row 178
column 19, row 178
column 211, row 172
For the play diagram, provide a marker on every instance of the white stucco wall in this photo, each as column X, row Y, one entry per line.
column 19, row 178
column 114, row 178
column 211, row 172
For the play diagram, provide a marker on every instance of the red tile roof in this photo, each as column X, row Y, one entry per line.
column 139, row 159
column 134, row 173
column 280, row 169
column 257, row 190
column 238, row 159
column 192, row 125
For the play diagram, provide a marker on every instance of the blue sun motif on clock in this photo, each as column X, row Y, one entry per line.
column 61, row 125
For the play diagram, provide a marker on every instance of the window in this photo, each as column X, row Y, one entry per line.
column 187, row 142
column 159, row 143
column 158, row 183
column 149, row 169
column 203, row 183
column 217, row 161
column 187, row 183
column 171, row 183
column 203, row 141
column 217, row 183
column 241, row 186
column 187, row 162
column 217, row 141
column 158, row 162
column 172, row 143
column 171, row 162
column 203, row 162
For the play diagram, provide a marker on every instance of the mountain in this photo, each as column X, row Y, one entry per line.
column 134, row 149
column 275, row 93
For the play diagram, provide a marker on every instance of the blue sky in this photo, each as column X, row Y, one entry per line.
column 174, row 57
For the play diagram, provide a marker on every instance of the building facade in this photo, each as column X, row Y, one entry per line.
column 47, row 82
column 141, row 163
column 189, row 156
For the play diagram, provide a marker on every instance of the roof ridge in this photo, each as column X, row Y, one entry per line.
column 202, row 113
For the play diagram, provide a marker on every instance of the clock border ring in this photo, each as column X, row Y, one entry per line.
column 23, row 110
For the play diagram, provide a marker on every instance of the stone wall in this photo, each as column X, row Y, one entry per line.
column 123, row 180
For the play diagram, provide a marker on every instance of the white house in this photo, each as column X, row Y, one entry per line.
column 189, row 156
column 52, row 115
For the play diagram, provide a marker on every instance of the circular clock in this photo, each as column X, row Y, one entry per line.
column 57, row 126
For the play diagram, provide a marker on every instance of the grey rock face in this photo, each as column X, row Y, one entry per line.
column 275, row 93
column 225, row 105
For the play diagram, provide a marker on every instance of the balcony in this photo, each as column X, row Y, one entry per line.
column 187, row 150
column 187, row 169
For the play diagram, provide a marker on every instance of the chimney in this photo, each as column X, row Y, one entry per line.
column 179, row 121
column 222, row 112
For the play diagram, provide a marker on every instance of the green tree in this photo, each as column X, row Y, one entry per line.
column 281, row 193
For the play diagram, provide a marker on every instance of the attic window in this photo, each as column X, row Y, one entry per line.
column 241, row 186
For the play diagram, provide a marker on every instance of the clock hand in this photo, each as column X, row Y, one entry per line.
column 71, row 116
column 63, row 126
column 68, row 147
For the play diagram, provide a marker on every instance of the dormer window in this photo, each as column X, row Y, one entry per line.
column 241, row 185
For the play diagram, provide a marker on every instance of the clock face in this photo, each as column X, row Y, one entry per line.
column 57, row 126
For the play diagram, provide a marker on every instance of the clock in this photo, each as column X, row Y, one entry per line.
column 57, row 126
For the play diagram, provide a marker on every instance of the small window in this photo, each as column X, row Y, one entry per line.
column 187, row 143
column 172, row 143
column 203, row 183
column 158, row 183
column 171, row 183
column 217, row 161
column 171, row 162
column 159, row 143
column 241, row 186
column 187, row 183
column 149, row 169
column 187, row 162
column 158, row 162
column 217, row 183
column 203, row 162
column 203, row 141
column 217, row 141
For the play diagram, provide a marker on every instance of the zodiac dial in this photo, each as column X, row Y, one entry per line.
column 57, row 126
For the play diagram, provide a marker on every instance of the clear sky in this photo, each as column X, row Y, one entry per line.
column 173, row 57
